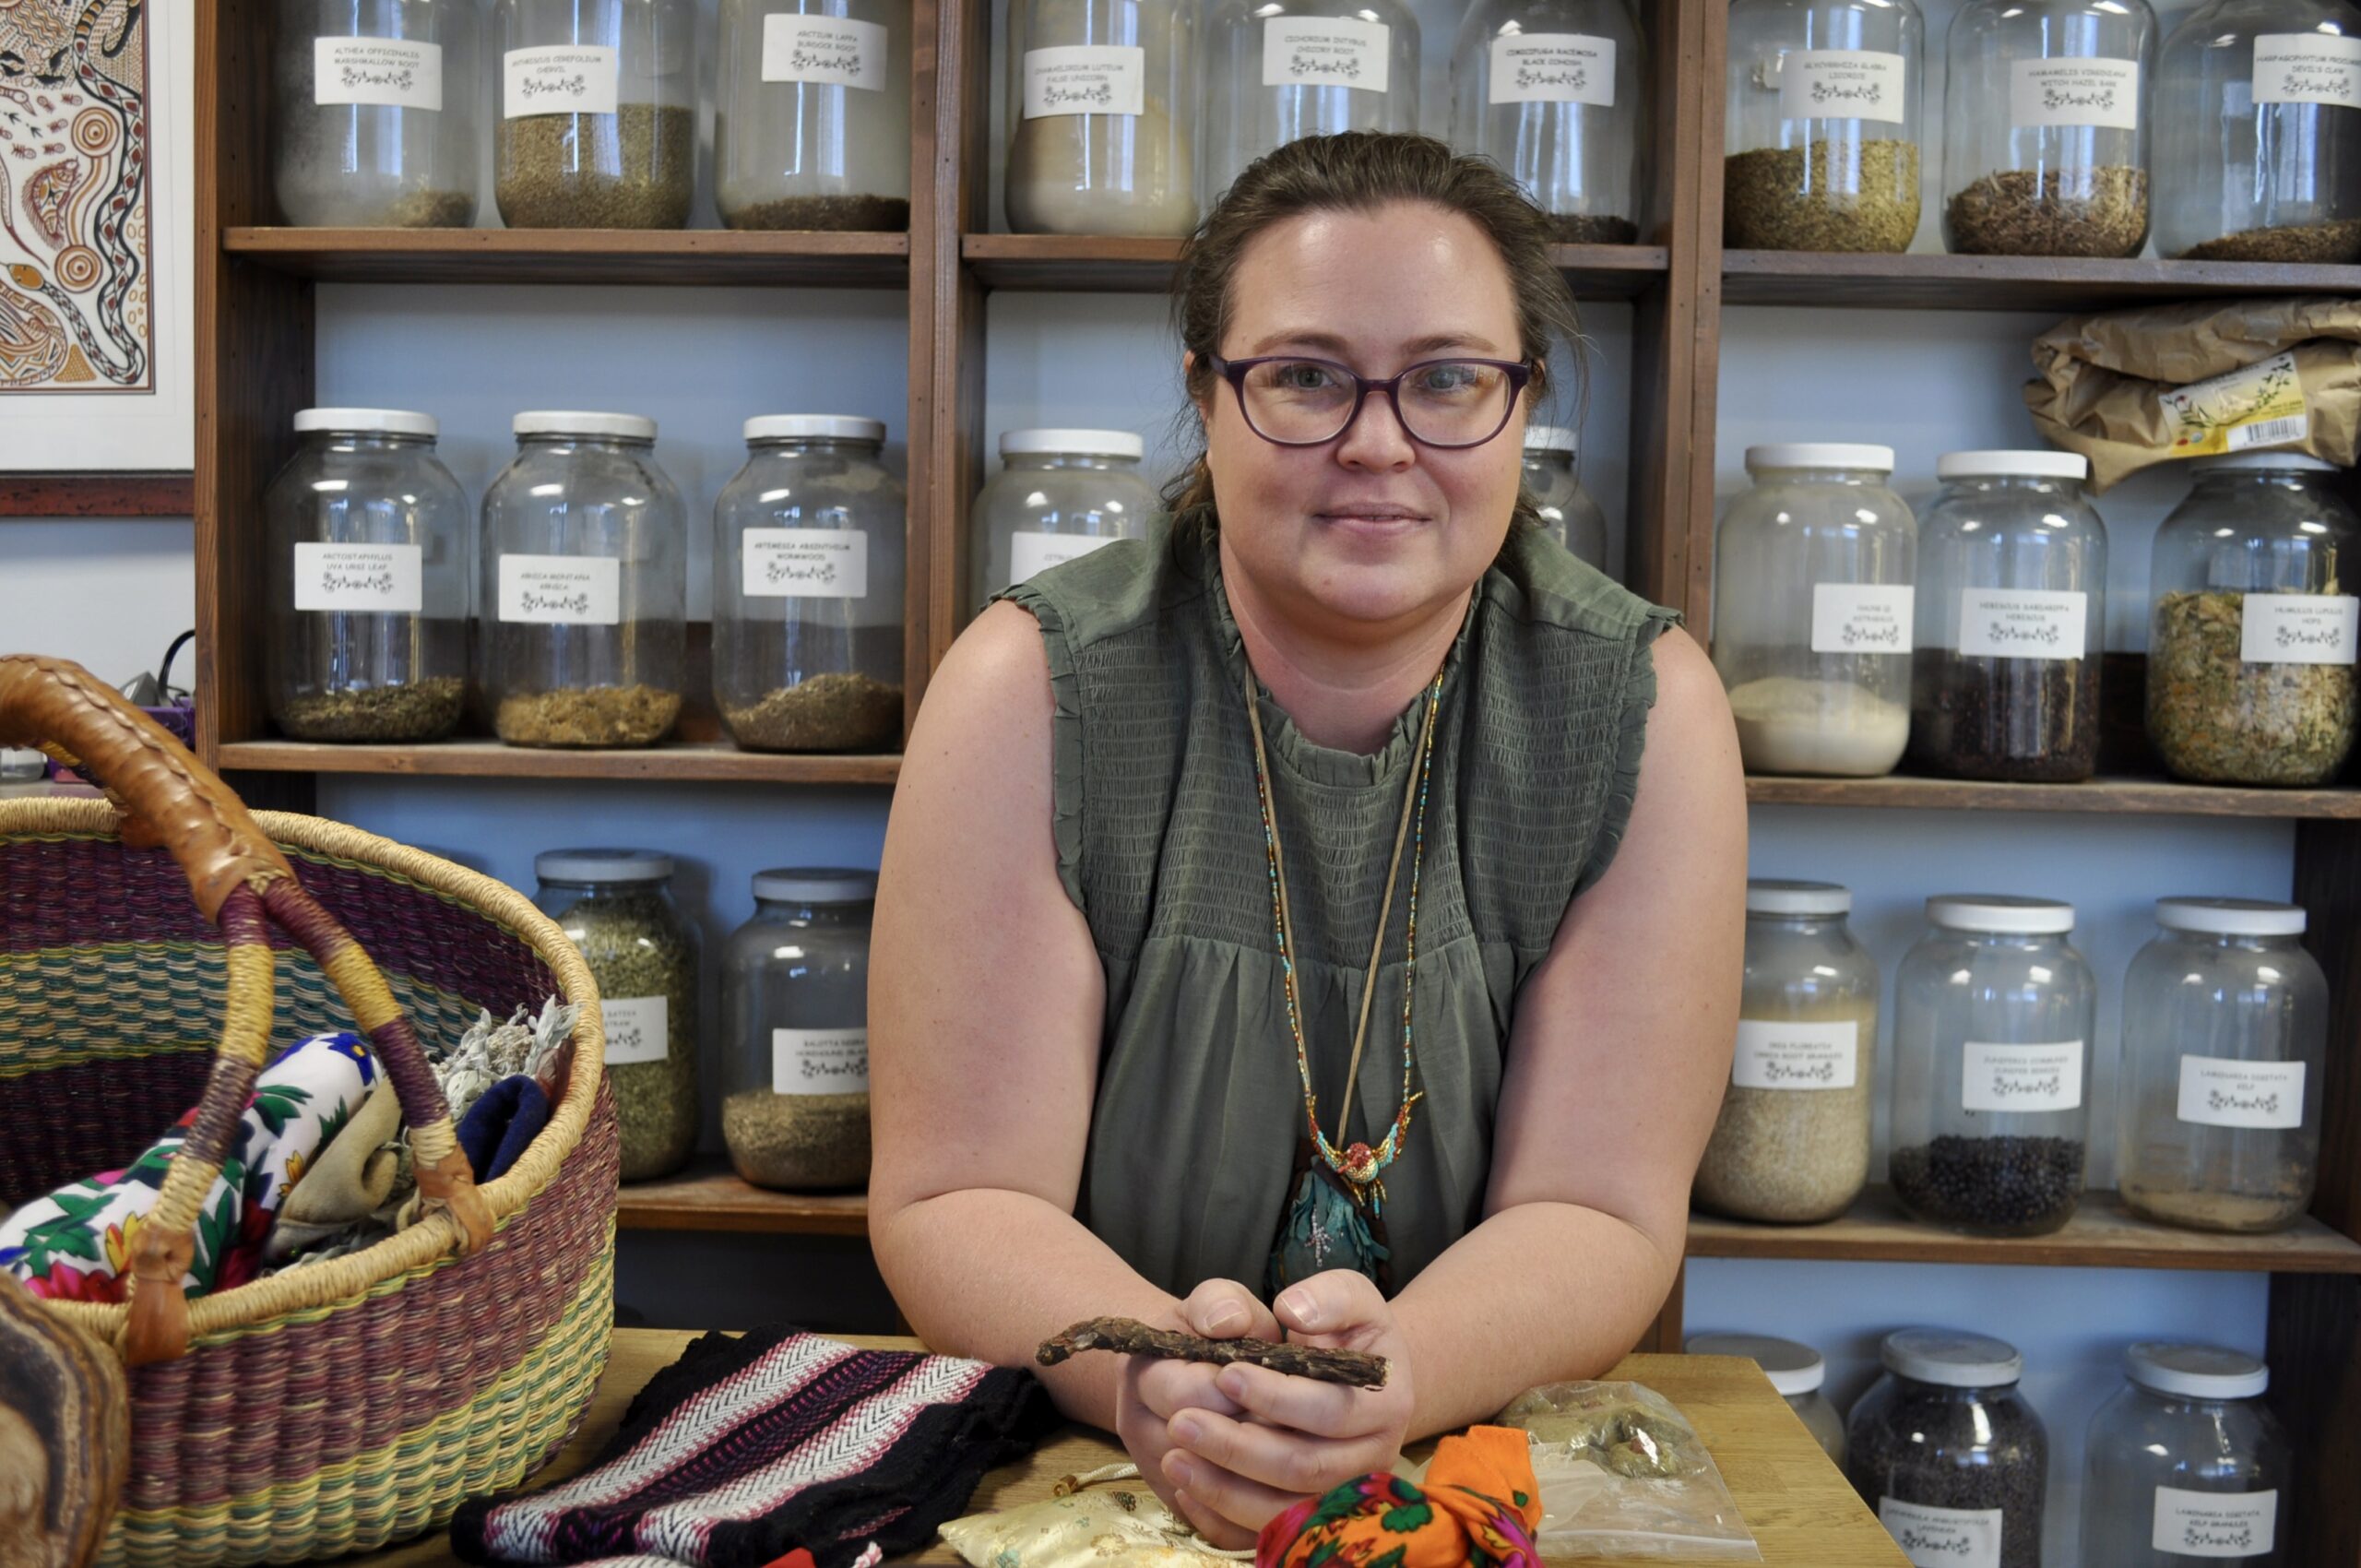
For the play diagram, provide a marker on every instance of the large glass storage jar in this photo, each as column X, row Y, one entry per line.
column 1796, row 1372
column 1993, row 1015
column 1059, row 493
column 2011, row 620
column 616, row 906
column 811, row 114
column 585, row 585
column 1822, row 138
column 795, row 988
column 2186, row 1463
column 1572, row 518
column 374, row 114
column 2258, row 108
column 2250, row 643
column 1948, row 1452
column 1102, row 117
column 597, row 112
column 810, row 541
column 1280, row 70
column 2046, row 129
column 1555, row 91
column 1792, row 1143
column 367, row 572
column 1814, row 574
column 2224, row 1041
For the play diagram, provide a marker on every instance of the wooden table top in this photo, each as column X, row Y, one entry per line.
column 1799, row 1504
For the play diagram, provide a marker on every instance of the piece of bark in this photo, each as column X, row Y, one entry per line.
column 64, row 1436
column 1128, row 1337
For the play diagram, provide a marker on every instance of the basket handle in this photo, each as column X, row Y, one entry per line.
column 242, row 883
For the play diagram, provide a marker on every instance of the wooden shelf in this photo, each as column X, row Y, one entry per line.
column 708, row 762
column 709, row 1196
column 2139, row 797
column 1090, row 263
column 577, row 255
column 2004, row 282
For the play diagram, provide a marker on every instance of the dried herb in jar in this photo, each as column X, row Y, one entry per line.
column 1865, row 198
column 2028, row 720
column 599, row 716
column 2322, row 245
column 2101, row 211
column 835, row 712
column 629, row 170
column 2218, row 720
column 416, row 710
column 797, row 1142
column 638, row 950
column 1795, row 1156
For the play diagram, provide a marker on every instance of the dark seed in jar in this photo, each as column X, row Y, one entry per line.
column 2012, row 1184
column 1944, row 1448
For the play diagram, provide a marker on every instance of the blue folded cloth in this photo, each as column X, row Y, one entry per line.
column 498, row 1127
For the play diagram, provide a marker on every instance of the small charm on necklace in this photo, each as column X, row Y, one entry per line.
column 1360, row 1165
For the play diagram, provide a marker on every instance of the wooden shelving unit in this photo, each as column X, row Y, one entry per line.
column 693, row 762
column 2006, row 282
column 576, row 255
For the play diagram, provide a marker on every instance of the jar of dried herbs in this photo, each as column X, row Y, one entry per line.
column 811, row 114
column 2252, row 638
column 809, row 544
column 585, row 585
column 2011, row 616
column 795, row 991
column 616, row 906
column 1572, row 518
column 1556, row 93
column 1796, row 1372
column 597, row 125
column 1059, row 493
column 2187, row 1463
column 1822, row 141
column 1102, row 117
column 374, row 114
column 1949, row 1453
column 367, row 575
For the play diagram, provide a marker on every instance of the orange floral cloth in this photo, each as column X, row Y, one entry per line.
column 1478, row 1506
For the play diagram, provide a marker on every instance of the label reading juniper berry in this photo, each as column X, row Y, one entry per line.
column 2021, row 1078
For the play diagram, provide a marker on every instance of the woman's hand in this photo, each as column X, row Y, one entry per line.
column 1153, row 1391
column 1274, row 1440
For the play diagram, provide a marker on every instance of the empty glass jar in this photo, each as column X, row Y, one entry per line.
column 2225, row 1040
column 811, row 114
column 367, row 572
column 1796, row 1372
column 585, row 585
column 1280, row 70
column 1822, row 125
column 795, row 991
column 809, row 544
column 1102, row 117
column 597, row 112
column 1059, row 493
column 2011, row 620
column 1814, row 572
column 1555, row 93
column 1572, row 518
column 374, row 110
column 2186, row 1463
column 1946, row 1449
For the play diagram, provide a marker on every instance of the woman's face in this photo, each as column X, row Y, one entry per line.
column 1372, row 528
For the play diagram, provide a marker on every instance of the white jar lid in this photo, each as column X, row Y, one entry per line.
column 1080, row 442
column 2231, row 916
column 823, row 427
column 602, row 865
column 2000, row 912
column 1771, row 895
column 2197, row 1371
column 1793, row 1368
column 1549, row 438
column 1950, row 1358
column 816, row 884
column 2237, row 461
column 579, row 421
column 2021, row 465
column 388, row 421
column 1820, row 454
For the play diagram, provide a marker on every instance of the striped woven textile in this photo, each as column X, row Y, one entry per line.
column 747, row 1449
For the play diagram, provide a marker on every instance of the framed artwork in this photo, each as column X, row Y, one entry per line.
column 97, row 257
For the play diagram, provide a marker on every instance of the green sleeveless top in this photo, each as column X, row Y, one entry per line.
column 1199, row 1111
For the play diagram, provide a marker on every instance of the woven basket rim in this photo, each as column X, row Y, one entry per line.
column 262, row 1303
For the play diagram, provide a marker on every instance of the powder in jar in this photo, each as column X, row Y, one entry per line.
column 797, row 1142
column 2028, row 720
column 2321, row 244
column 1863, row 199
column 601, row 716
column 2218, row 720
column 1995, row 1186
column 2101, row 211
column 1799, row 1154
column 1051, row 188
column 628, row 170
column 1789, row 724
column 639, row 951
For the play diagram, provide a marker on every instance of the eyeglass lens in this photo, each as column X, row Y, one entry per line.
column 1445, row 403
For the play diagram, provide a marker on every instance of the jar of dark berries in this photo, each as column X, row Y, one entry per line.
column 1947, row 1451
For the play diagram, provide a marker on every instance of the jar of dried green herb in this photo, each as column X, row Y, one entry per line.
column 1822, row 143
column 795, row 991
column 598, row 125
column 616, row 906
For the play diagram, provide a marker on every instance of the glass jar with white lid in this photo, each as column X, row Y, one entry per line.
column 2186, row 1463
column 1572, row 517
column 795, row 992
column 1059, row 494
column 1822, row 138
column 1279, row 70
column 1949, row 1453
column 598, row 125
column 1102, row 117
column 1796, row 1372
column 374, row 112
column 811, row 114
column 1555, row 91
column 1814, row 574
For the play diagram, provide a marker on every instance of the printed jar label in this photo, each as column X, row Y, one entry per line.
column 1327, row 51
column 1942, row 1538
column 2221, row 1091
column 2074, row 92
column 2308, row 67
column 637, row 1028
column 2021, row 1078
column 2215, row 1524
column 2022, row 623
column 1860, row 618
column 381, row 577
column 1031, row 553
column 1795, row 1056
column 2299, row 628
column 820, row 1061
column 831, row 51
column 1843, row 83
column 561, row 591
column 2260, row 406
column 563, row 78
column 1553, row 67
column 396, row 72
column 805, row 563
column 1084, row 78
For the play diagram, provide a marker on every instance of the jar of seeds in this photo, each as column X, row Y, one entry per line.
column 585, row 585
column 616, row 906
column 597, row 125
column 1822, row 125
column 367, row 577
column 1792, row 1143
column 1993, row 1015
column 795, row 988
column 809, row 544
column 1102, row 117
column 1572, row 518
column 1948, row 1452
column 2186, row 1463
column 1059, row 493
column 1796, row 1372
column 811, row 114
column 374, row 114
column 2252, row 638
column 1278, row 70
column 1556, row 93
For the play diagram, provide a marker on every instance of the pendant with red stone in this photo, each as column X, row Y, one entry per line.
column 1360, row 1165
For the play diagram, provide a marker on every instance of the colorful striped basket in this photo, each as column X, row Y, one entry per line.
column 349, row 1404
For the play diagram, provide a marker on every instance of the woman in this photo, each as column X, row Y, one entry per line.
column 1100, row 1038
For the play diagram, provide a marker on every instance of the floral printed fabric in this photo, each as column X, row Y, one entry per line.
column 76, row 1244
column 1478, row 1506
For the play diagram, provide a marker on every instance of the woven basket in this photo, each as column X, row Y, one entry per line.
column 353, row 1403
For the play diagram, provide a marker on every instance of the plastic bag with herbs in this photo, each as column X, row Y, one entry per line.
column 1623, row 1474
